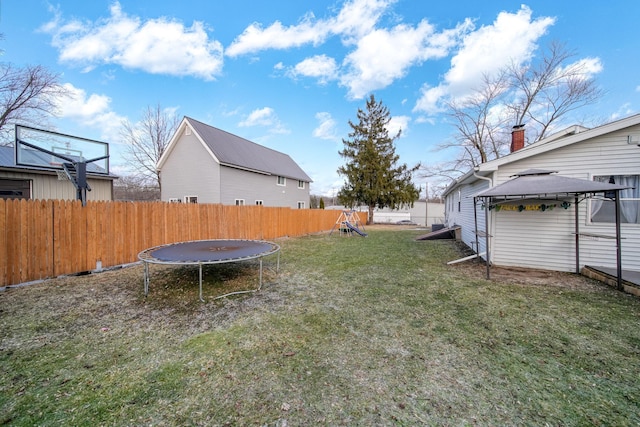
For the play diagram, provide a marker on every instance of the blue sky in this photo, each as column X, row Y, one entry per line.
column 291, row 74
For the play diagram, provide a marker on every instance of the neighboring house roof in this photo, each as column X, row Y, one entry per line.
column 569, row 136
column 8, row 161
column 233, row 151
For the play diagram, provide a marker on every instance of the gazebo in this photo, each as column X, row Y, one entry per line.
column 542, row 184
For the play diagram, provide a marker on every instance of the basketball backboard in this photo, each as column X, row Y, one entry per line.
column 46, row 149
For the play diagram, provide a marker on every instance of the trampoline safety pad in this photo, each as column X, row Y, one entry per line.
column 205, row 252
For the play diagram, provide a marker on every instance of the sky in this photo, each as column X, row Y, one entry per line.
column 290, row 74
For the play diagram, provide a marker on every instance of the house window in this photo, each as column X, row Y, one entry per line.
column 191, row 199
column 300, row 205
column 239, row 202
column 259, row 203
column 603, row 209
column 15, row 189
column 459, row 200
column 282, row 180
column 175, row 200
column 301, row 185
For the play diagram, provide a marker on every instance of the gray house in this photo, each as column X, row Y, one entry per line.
column 43, row 183
column 203, row 164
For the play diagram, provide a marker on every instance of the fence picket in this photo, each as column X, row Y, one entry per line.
column 45, row 238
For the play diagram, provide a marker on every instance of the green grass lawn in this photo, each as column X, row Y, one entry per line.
column 352, row 331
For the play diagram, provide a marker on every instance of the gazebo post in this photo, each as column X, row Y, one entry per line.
column 475, row 223
column 618, row 242
column 577, row 226
column 486, row 235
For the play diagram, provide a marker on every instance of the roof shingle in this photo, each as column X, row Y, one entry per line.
column 234, row 151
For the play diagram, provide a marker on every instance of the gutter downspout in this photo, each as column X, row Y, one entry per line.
column 486, row 222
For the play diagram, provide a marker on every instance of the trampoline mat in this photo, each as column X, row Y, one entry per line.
column 210, row 251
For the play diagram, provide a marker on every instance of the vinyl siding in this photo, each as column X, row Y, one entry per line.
column 465, row 217
column 48, row 186
column 534, row 239
column 190, row 170
column 544, row 239
column 251, row 186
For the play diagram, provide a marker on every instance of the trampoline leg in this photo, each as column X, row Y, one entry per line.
column 201, row 299
column 146, row 279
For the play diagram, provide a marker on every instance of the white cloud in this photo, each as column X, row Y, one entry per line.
column 357, row 17
column 587, row 67
column 264, row 117
column 320, row 67
column 326, row 128
column 158, row 46
column 91, row 110
column 378, row 56
column 383, row 56
column 511, row 37
column 398, row 124
column 276, row 36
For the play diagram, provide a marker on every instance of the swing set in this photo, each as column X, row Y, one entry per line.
column 348, row 223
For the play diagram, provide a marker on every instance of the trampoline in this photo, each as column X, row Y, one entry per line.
column 205, row 252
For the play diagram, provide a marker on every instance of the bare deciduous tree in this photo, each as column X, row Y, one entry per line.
column 548, row 90
column 147, row 139
column 27, row 95
column 538, row 94
column 133, row 188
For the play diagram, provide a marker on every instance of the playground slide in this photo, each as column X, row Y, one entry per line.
column 354, row 228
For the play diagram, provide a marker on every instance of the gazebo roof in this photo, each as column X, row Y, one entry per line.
column 541, row 183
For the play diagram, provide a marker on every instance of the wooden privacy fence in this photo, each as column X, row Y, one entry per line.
column 48, row 238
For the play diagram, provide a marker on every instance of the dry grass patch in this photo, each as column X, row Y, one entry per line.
column 353, row 331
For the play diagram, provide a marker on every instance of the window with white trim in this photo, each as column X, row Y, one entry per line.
column 603, row 209
column 191, row 199
column 301, row 205
column 239, row 202
column 301, row 185
column 175, row 200
column 259, row 202
column 282, row 180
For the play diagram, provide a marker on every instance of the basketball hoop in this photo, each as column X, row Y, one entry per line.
column 62, row 176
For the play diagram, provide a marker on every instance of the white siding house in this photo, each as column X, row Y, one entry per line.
column 524, row 235
column 203, row 164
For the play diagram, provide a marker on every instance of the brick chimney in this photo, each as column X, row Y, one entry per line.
column 517, row 138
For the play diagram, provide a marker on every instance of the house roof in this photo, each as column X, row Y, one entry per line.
column 234, row 151
column 542, row 183
column 8, row 161
column 569, row 136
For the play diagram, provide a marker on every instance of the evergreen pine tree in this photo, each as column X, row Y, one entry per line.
column 372, row 174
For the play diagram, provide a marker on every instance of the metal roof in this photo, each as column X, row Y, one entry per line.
column 234, row 151
column 7, row 160
column 541, row 183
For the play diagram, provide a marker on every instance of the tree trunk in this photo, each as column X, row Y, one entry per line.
column 370, row 215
